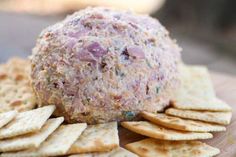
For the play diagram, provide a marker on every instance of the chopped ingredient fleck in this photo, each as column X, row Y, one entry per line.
column 129, row 115
column 157, row 89
column 96, row 49
column 136, row 52
column 148, row 63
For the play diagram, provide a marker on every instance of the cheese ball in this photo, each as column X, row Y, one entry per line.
column 101, row 65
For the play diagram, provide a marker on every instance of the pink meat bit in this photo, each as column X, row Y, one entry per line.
column 136, row 85
column 74, row 34
column 135, row 52
column 70, row 44
column 97, row 16
column 96, row 50
column 84, row 55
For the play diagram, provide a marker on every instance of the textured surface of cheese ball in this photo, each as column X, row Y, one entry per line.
column 101, row 65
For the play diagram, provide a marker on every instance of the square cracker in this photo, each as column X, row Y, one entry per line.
column 199, row 76
column 118, row 152
column 181, row 124
column 152, row 147
column 57, row 144
column 7, row 117
column 223, row 118
column 31, row 140
column 196, row 103
column 196, row 91
column 15, row 89
column 97, row 138
column 151, row 130
column 26, row 122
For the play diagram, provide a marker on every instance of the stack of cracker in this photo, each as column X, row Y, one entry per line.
column 33, row 134
column 29, row 132
column 15, row 89
column 195, row 112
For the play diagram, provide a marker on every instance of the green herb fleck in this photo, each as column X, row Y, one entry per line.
column 122, row 74
column 157, row 89
column 86, row 101
column 148, row 63
column 48, row 79
column 119, row 73
column 129, row 115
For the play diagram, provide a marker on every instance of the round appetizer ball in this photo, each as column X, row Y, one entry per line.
column 100, row 65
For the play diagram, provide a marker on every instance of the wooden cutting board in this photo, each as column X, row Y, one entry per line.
column 225, row 87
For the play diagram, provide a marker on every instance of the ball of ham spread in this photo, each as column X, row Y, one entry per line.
column 100, row 65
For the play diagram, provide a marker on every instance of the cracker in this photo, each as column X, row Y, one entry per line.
column 196, row 91
column 181, row 124
column 193, row 77
column 26, row 122
column 57, row 144
column 15, row 89
column 196, row 103
column 223, row 118
column 7, row 117
column 152, row 147
column 158, row 132
column 31, row 140
column 118, row 152
column 97, row 138
column 16, row 68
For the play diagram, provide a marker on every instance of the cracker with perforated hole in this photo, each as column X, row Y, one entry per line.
column 223, row 118
column 97, row 138
column 152, row 147
column 7, row 117
column 26, row 122
column 196, row 91
column 31, row 140
column 118, row 152
column 15, row 89
column 181, row 124
column 151, row 130
column 58, row 143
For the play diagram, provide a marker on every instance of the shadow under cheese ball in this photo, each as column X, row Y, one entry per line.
column 101, row 65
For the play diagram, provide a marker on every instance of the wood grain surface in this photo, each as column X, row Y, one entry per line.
column 225, row 87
